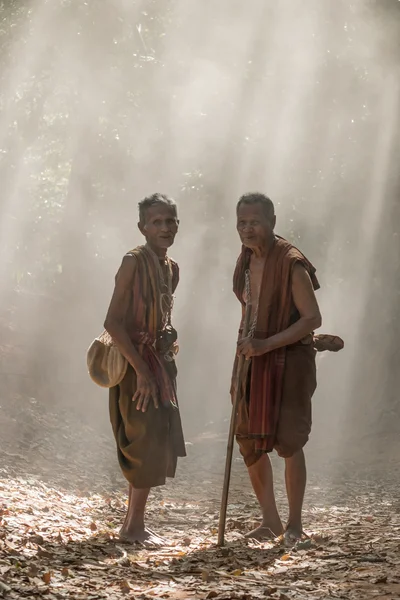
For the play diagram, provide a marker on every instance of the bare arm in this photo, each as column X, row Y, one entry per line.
column 115, row 319
column 310, row 318
column 306, row 303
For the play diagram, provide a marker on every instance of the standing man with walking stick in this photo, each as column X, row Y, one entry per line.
column 274, row 375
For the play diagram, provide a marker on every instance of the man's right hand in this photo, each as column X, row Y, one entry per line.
column 146, row 391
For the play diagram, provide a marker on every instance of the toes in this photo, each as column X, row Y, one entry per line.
column 146, row 538
column 153, row 534
column 261, row 533
column 155, row 538
column 126, row 540
column 151, row 542
column 291, row 537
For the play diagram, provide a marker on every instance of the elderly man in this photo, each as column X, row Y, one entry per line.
column 279, row 377
column 143, row 407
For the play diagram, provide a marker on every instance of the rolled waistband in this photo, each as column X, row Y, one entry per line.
column 262, row 335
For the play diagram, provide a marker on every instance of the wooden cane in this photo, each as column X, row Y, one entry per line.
column 231, row 436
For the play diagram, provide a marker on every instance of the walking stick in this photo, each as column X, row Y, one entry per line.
column 231, row 436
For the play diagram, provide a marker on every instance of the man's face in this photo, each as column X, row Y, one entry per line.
column 255, row 228
column 160, row 226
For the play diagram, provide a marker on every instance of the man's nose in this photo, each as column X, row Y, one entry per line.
column 165, row 226
column 248, row 229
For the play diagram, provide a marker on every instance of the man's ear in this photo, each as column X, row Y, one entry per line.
column 274, row 222
column 141, row 227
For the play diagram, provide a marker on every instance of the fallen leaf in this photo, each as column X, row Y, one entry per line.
column 43, row 553
column 341, row 563
column 36, row 539
column 5, row 589
column 33, row 570
column 46, row 577
column 125, row 587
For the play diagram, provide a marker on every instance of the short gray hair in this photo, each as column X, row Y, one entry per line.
column 150, row 201
column 257, row 198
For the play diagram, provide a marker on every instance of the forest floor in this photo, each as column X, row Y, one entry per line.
column 59, row 519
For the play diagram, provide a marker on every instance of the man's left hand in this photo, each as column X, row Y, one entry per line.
column 252, row 347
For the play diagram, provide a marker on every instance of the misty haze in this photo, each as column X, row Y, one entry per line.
column 104, row 103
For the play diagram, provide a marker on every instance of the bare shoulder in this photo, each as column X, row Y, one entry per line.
column 127, row 269
column 122, row 291
column 303, row 293
column 300, row 275
column 302, row 286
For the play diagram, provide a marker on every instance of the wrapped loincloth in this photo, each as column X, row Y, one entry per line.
column 148, row 443
column 294, row 420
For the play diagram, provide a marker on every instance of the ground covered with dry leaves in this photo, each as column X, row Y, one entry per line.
column 59, row 519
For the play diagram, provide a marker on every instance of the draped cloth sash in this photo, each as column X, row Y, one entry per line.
column 145, row 319
column 274, row 311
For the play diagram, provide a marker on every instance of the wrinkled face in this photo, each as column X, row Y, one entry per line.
column 160, row 226
column 254, row 226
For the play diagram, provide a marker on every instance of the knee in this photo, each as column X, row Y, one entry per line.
column 288, row 446
column 248, row 451
column 252, row 460
column 293, row 432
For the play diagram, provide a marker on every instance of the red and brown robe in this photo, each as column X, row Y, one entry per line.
column 276, row 312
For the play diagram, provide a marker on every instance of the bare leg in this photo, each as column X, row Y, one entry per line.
column 129, row 503
column 261, row 478
column 133, row 529
column 295, row 478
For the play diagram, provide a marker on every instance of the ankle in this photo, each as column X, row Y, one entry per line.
column 272, row 521
column 135, row 526
column 136, row 519
column 294, row 525
column 270, row 514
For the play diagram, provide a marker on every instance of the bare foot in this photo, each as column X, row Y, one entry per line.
column 140, row 535
column 263, row 532
column 293, row 535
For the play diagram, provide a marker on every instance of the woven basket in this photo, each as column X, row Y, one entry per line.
column 106, row 365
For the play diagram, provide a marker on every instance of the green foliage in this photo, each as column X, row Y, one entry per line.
column 60, row 110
